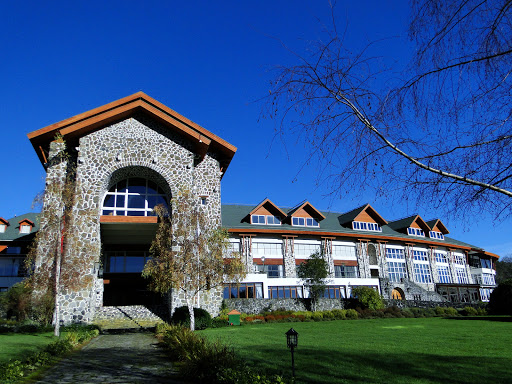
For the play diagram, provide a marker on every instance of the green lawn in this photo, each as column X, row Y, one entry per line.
column 17, row 345
column 431, row 350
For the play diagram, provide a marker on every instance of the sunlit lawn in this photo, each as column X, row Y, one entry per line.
column 432, row 350
column 17, row 346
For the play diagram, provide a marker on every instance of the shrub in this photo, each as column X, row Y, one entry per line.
column 469, row 311
column 352, row 314
column 450, row 311
column 339, row 314
column 328, row 315
column 500, row 302
column 481, row 311
column 181, row 317
column 317, row 316
column 368, row 298
column 440, row 311
column 16, row 301
column 417, row 312
column 407, row 313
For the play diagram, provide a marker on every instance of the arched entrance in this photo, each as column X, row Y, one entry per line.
column 397, row 294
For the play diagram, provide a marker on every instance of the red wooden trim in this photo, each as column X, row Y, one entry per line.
column 3, row 221
column 349, row 263
column 128, row 219
column 257, row 260
column 2, row 247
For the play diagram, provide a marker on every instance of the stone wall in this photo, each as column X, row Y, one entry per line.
column 255, row 306
column 137, row 146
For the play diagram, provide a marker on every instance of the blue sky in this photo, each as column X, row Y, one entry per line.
column 211, row 62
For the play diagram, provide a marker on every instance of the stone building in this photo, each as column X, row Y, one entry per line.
column 127, row 156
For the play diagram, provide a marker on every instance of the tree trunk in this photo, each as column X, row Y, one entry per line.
column 191, row 314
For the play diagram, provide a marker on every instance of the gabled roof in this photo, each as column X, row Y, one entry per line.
column 350, row 216
column 406, row 222
column 26, row 221
column 77, row 126
column 308, row 207
column 440, row 225
column 268, row 204
column 3, row 221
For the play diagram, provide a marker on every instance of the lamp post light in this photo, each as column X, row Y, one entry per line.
column 292, row 340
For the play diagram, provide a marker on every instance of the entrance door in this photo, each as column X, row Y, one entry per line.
column 397, row 294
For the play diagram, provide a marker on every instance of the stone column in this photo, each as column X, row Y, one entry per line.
column 362, row 260
column 246, row 253
column 449, row 256
column 289, row 257
column 381, row 257
column 327, row 251
column 409, row 262
column 433, row 265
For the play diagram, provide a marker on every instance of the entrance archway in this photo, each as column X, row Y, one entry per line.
column 397, row 294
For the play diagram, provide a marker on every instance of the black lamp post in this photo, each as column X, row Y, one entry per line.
column 292, row 339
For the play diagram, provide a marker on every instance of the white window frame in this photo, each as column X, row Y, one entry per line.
column 366, row 226
column 25, row 228
column 312, row 222
column 436, row 235
column 3, row 228
column 395, row 258
column 415, row 232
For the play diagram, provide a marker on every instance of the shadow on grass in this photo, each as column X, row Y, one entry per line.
column 504, row 319
column 324, row 366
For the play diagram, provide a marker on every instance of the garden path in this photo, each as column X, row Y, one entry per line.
column 125, row 358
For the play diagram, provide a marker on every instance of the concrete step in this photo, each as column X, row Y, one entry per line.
column 126, row 318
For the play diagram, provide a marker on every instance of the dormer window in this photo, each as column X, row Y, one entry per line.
column 305, row 222
column 415, row 232
column 436, row 235
column 3, row 225
column 25, row 228
column 364, row 226
column 265, row 219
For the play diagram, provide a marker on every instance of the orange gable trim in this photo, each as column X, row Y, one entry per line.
column 440, row 227
column 420, row 223
column 368, row 212
column 267, row 202
column 29, row 222
column 307, row 208
column 3, row 247
column 84, row 123
column 3, row 221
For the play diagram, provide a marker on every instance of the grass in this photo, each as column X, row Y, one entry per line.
column 423, row 350
column 19, row 345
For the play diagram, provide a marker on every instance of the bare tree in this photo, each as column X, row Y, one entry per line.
column 437, row 131
column 188, row 253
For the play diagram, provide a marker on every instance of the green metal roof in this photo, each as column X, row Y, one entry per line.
column 232, row 216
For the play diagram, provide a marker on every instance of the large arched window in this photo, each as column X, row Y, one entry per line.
column 134, row 196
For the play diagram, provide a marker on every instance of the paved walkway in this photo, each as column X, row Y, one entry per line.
column 126, row 358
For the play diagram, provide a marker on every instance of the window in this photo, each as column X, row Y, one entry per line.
column 485, row 293
column 445, row 276
column 421, row 267
column 396, row 264
column 459, row 259
column 364, row 226
column 133, row 197
column 486, row 263
column 334, row 292
column 265, row 219
column 266, row 249
column 271, row 271
column 344, row 252
column 285, row 292
column 306, row 250
column 125, row 261
column 3, row 227
column 305, row 222
column 345, row 271
column 488, row 279
column 436, row 235
column 11, row 267
column 25, row 228
column 203, row 200
column 461, row 275
column 13, row 250
column 243, row 291
column 415, row 232
column 441, row 258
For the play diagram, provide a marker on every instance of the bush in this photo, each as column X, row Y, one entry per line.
column 450, row 311
column 181, row 316
column 368, row 298
column 352, row 314
column 469, row 311
column 500, row 302
column 16, row 301
column 317, row 316
column 339, row 314
column 440, row 311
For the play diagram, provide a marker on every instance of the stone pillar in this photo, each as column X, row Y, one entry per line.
column 409, row 262
column 362, row 260
column 433, row 264
column 246, row 253
column 289, row 257
column 381, row 257
column 449, row 256
column 327, row 252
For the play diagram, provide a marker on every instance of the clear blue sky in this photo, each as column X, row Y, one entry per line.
column 210, row 61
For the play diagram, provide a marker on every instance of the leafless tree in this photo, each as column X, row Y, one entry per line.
column 436, row 131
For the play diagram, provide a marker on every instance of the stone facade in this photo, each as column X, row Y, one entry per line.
column 255, row 306
column 135, row 147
